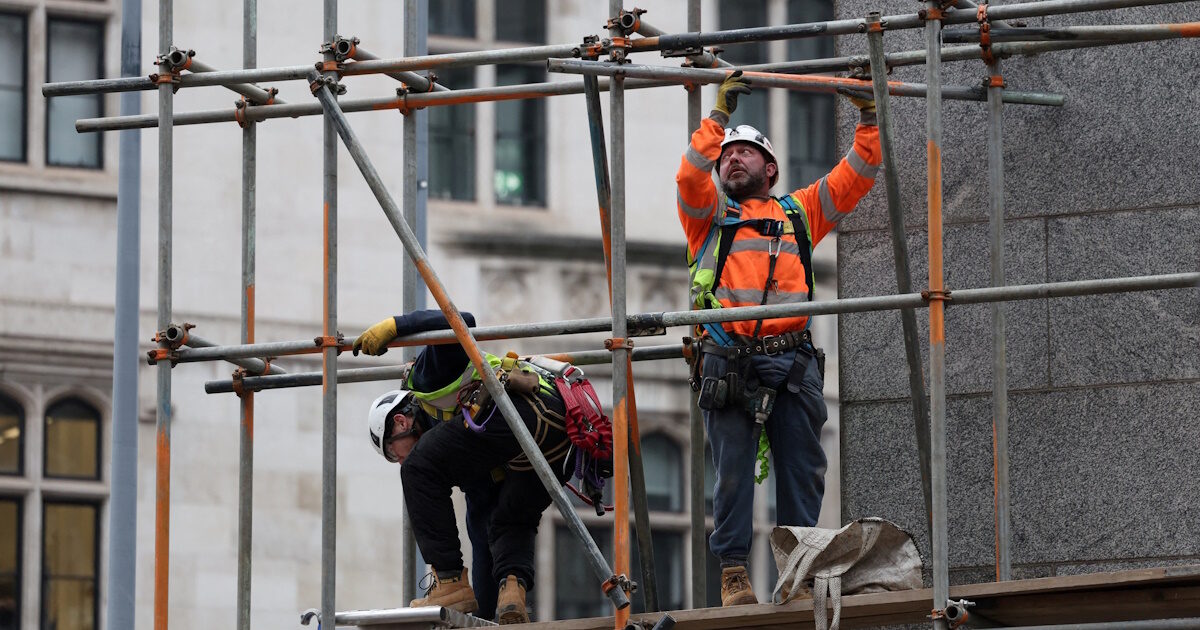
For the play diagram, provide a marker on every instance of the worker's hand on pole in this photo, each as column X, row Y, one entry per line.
column 375, row 339
column 727, row 94
column 864, row 103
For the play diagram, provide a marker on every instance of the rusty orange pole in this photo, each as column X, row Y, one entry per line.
column 607, row 581
column 162, row 450
column 937, row 331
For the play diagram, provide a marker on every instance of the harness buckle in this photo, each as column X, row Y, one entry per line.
column 772, row 345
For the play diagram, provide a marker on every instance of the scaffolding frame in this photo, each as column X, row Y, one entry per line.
column 177, row 345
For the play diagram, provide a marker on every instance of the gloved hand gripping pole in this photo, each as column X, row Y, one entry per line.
column 599, row 565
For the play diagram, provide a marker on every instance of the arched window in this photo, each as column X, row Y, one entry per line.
column 661, row 460
column 72, row 443
column 12, row 437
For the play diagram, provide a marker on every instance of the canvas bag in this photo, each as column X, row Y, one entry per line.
column 869, row 555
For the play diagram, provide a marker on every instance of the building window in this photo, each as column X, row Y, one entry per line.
column 12, row 437
column 72, row 443
column 13, row 41
column 452, row 141
column 574, row 583
column 455, row 18
column 74, row 52
column 69, row 565
column 521, row 21
column 10, row 564
column 520, row 141
column 752, row 109
column 811, row 150
column 664, row 479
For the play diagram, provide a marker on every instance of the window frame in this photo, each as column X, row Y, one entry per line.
column 24, row 17
column 97, row 504
column 101, row 25
column 99, row 419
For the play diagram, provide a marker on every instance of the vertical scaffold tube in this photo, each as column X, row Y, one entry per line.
column 410, row 285
column 937, row 324
column 599, row 566
column 162, row 446
column 616, row 112
column 696, row 421
column 122, row 506
column 637, row 476
column 249, row 236
column 999, row 350
column 908, row 316
column 329, row 353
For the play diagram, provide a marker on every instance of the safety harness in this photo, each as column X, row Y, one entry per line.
column 723, row 231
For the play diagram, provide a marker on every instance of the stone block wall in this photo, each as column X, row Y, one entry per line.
column 1104, row 391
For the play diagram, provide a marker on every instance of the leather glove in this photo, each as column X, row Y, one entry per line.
column 375, row 339
column 727, row 94
column 864, row 104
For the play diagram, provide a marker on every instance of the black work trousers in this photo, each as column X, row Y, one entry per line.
column 451, row 455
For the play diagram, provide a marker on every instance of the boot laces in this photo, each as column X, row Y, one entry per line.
column 428, row 583
column 737, row 581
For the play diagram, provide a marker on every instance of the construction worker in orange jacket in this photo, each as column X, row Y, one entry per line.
column 760, row 381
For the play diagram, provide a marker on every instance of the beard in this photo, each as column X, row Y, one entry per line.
column 744, row 184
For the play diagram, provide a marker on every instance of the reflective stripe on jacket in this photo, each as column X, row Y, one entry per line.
column 745, row 274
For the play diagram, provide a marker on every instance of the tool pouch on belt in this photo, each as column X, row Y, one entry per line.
column 719, row 390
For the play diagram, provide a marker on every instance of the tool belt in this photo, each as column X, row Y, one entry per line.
column 750, row 346
column 739, row 385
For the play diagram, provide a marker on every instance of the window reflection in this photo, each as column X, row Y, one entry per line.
column 10, row 564
column 12, row 438
column 69, row 566
column 72, row 447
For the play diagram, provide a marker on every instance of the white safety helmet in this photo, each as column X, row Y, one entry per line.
column 746, row 133
column 382, row 416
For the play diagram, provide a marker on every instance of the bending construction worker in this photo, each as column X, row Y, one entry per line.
column 444, row 430
column 760, row 382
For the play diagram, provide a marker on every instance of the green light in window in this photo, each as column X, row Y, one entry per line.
column 508, row 184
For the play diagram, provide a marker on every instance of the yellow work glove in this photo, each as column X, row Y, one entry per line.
column 864, row 103
column 375, row 339
column 727, row 94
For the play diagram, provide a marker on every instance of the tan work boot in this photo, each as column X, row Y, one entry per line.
column 449, row 591
column 735, row 587
column 510, row 603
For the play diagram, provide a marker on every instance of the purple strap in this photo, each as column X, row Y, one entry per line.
column 470, row 422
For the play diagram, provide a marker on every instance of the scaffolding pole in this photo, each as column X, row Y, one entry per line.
column 698, row 543
column 162, row 457
column 799, row 309
column 329, row 341
column 249, row 245
column 937, row 327
column 908, row 316
column 616, row 118
column 995, row 150
column 797, row 82
column 1125, row 33
column 597, row 562
column 540, row 90
column 740, row 313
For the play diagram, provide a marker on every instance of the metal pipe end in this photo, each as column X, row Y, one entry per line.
column 179, row 58
column 343, row 47
column 628, row 21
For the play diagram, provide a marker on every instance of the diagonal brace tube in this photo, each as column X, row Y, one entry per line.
column 598, row 564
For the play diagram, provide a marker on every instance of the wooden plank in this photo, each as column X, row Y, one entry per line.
column 1126, row 595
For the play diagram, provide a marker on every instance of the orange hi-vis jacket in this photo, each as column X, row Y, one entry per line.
column 747, row 268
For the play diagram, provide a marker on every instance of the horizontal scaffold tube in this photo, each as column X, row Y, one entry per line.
column 538, row 53
column 800, row 82
column 560, row 88
column 395, row 372
column 691, row 318
column 1129, row 33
